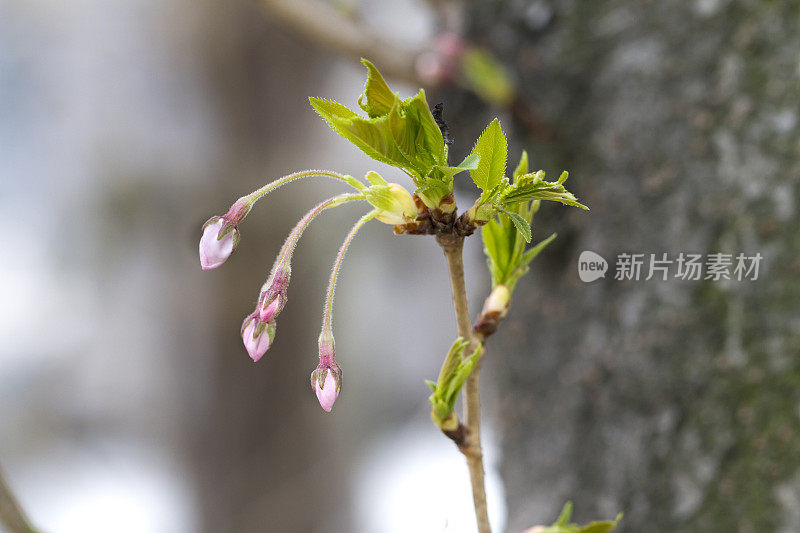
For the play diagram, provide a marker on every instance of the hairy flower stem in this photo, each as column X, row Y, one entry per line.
column 453, row 252
column 286, row 251
column 12, row 517
column 243, row 205
column 327, row 317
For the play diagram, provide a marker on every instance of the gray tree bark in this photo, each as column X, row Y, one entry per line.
column 674, row 401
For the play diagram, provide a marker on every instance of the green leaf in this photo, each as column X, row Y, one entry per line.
column 377, row 99
column 434, row 191
column 533, row 187
column 601, row 527
column 522, row 166
column 401, row 133
column 455, row 371
column 380, row 196
column 492, row 149
column 522, row 225
column 491, row 234
column 563, row 524
column 565, row 515
column 429, row 140
column 487, row 77
column 533, row 252
column 452, row 359
column 372, row 136
column 459, row 377
column 469, row 163
column 375, row 179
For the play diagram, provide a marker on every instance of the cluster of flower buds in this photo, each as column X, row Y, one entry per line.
column 258, row 329
column 221, row 236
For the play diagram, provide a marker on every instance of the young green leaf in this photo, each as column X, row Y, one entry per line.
column 563, row 524
column 603, row 526
column 372, row 136
column 565, row 516
column 522, row 166
column 377, row 99
column 455, row 371
column 522, row 225
column 533, row 187
column 429, row 140
column 492, row 149
column 380, row 196
column 531, row 254
column 487, row 77
column 375, row 179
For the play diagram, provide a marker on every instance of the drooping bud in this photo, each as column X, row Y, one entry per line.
column 403, row 209
column 218, row 242
column 273, row 295
column 257, row 336
column 326, row 380
column 271, row 310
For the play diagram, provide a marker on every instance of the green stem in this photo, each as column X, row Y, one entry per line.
column 243, row 205
column 327, row 327
column 256, row 195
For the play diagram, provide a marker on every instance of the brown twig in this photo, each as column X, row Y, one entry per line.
column 329, row 29
column 453, row 252
column 12, row 517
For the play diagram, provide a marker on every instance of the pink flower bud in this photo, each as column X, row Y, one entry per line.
column 273, row 294
column 257, row 336
column 450, row 45
column 217, row 243
column 326, row 381
column 442, row 63
column 269, row 311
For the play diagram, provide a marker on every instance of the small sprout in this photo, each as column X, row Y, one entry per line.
column 563, row 524
column 455, row 371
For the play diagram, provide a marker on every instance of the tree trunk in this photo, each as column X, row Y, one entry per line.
column 674, row 401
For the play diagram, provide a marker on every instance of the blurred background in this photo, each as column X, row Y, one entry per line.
column 128, row 404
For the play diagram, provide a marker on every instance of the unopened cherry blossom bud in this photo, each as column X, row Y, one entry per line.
column 218, row 242
column 257, row 336
column 273, row 294
column 442, row 63
column 326, row 381
column 271, row 310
